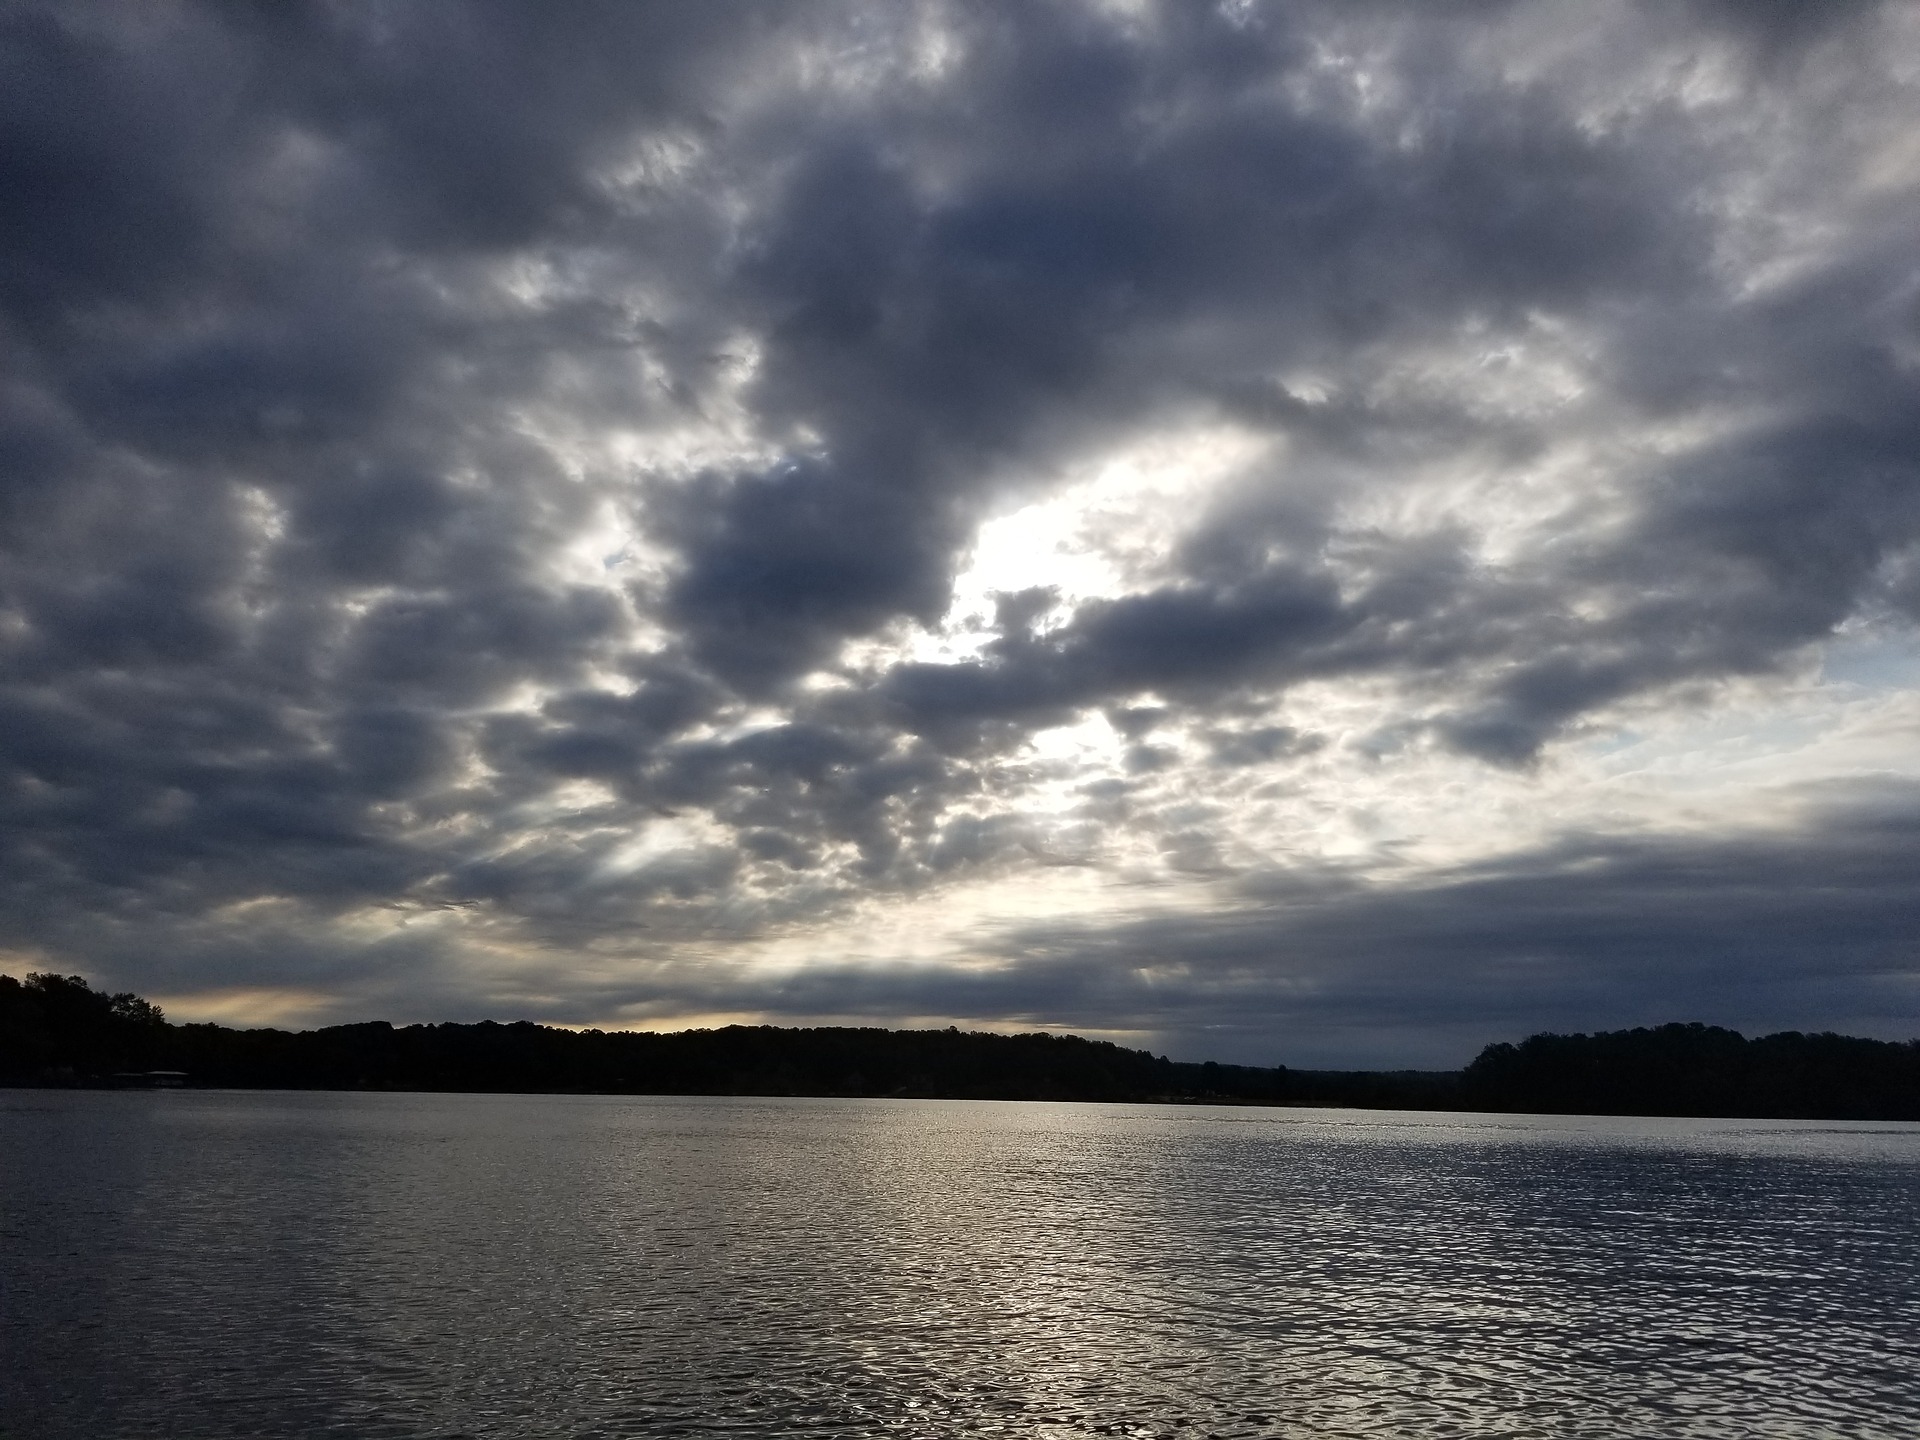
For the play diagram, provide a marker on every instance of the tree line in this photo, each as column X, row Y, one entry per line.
column 58, row 1030
column 1700, row 1070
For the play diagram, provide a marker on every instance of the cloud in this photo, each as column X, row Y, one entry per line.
column 1802, row 928
column 500, row 509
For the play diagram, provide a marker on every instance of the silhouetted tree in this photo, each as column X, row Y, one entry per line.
column 57, row 1027
column 1697, row 1069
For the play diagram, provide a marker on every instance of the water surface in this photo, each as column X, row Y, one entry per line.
column 243, row 1264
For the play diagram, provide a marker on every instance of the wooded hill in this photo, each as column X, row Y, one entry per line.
column 57, row 1030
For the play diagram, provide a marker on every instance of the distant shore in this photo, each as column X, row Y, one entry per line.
column 58, row 1031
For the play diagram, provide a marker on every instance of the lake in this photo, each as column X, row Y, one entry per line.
column 250, row 1264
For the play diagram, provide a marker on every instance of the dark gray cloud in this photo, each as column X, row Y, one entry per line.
column 1809, row 929
column 1804, row 930
column 488, row 496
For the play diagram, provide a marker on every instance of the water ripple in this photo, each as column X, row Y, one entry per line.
column 229, row 1264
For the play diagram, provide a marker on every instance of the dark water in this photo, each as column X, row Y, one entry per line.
column 250, row 1265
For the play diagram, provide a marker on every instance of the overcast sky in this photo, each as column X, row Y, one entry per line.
column 1309, row 533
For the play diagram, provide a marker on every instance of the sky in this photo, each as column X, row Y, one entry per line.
column 1308, row 533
